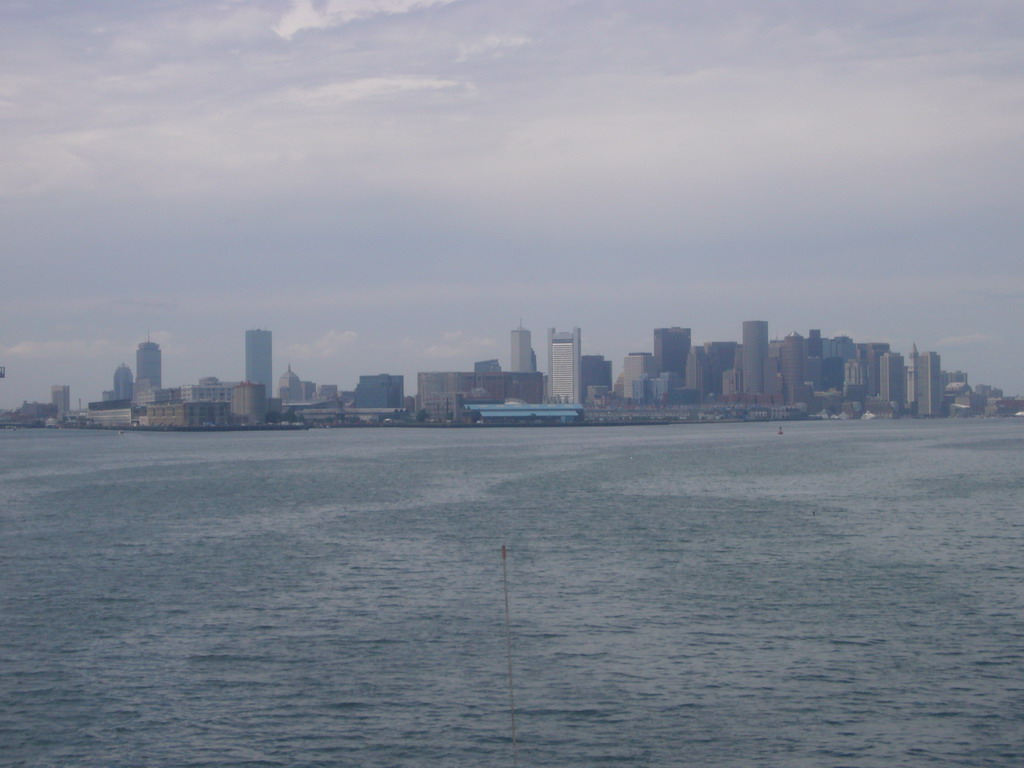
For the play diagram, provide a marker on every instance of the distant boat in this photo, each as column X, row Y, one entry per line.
column 780, row 430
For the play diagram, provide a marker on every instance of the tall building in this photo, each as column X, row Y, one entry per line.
column 259, row 359
column 792, row 359
column 148, row 367
column 124, row 383
column 671, row 348
column 60, row 396
column 523, row 358
column 564, row 379
column 638, row 368
column 698, row 372
column 381, row 391
column 892, row 376
column 595, row 372
column 929, row 384
column 289, row 387
column 755, row 356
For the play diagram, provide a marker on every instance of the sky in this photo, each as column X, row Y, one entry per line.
column 393, row 185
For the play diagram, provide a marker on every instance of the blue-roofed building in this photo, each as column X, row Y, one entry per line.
column 526, row 413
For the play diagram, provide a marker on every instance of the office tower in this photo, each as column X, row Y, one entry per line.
column 523, row 358
column 910, row 391
column 755, row 356
column 671, row 348
column 698, row 372
column 60, row 396
column 147, row 367
column 289, row 387
column 792, row 359
column 892, row 380
column 870, row 353
column 380, row 391
column 564, row 380
column 856, row 372
column 637, row 369
column 929, row 384
column 124, row 383
column 259, row 364
column 814, row 345
column 721, row 357
column 595, row 372
column 487, row 366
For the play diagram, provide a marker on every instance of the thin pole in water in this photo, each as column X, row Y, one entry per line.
column 508, row 647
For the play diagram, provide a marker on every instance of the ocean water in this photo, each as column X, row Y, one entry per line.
column 845, row 594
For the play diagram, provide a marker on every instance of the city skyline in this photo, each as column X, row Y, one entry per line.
column 633, row 365
column 390, row 187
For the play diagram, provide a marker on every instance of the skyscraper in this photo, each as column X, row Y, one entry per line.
column 124, row 383
column 671, row 348
column 595, row 372
column 892, row 380
column 792, row 356
column 259, row 368
column 638, row 368
column 564, row 380
column 755, row 356
column 523, row 359
column 148, row 367
column 929, row 384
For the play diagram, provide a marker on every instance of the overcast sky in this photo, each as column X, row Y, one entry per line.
column 391, row 185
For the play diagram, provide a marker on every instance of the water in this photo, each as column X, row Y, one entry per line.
column 846, row 594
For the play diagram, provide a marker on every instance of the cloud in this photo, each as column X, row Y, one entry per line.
column 460, row 344
column 366, row 88
column 968, row 340
column 329, row 345
column 493, row 45
column 60, row 350
column 304, row 15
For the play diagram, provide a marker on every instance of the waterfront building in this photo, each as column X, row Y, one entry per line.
column 671, row 349
column 523, row 358
column 383, row 390
column 124, row 384
column 441, row 393
column 755, row 356
column 194, row 414
column 148, row 367
column 209, row 389
column 564, row 380
column 60, row 396
column 259, row 366
column 249, row 403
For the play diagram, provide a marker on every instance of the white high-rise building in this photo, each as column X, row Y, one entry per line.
column 523, row 359
column 928, row 375
column 564, row 380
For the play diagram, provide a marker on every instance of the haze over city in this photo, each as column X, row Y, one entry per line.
column 393, row 186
